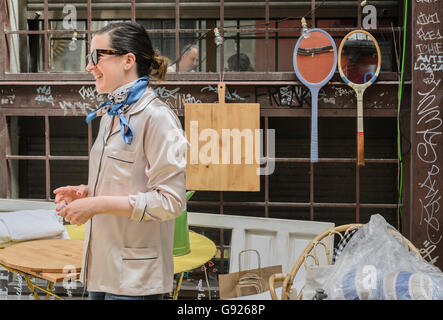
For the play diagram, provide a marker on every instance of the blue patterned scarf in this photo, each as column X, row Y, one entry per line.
column 115, row 108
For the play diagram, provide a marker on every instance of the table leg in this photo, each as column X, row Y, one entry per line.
column 31, row 287
column 179, row 283
column 49, row 288
column 207, row 282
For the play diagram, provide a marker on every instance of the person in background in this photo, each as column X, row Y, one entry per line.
column 188, row 60
column 136, row 185
column 239, row 62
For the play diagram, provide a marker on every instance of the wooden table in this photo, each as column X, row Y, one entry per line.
column 60, row 259
column 52, row 260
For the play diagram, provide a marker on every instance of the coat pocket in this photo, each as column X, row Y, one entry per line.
column 120, row 165
column 139, row 267
column 120, row 155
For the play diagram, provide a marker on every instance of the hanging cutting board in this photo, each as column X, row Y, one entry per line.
column 216, row 160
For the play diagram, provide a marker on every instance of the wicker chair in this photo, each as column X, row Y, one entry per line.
column 326, row 241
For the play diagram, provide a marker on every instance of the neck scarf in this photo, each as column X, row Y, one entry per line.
column 116, row 105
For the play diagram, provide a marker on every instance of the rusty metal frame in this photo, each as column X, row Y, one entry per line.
column 237, row 78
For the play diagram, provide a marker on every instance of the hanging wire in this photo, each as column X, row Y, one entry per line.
column 400, row 93
column 241, row 26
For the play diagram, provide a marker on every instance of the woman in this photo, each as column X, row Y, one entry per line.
column 135, row 187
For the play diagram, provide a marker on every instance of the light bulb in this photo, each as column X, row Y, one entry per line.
column 218, row 38
column 304, row 26
column 73, row 44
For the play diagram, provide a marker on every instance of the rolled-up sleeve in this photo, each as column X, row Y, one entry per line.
column 165, row 149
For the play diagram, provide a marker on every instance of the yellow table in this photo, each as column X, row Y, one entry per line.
column 202, row 250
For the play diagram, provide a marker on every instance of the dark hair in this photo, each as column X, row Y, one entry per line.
column 131, row 37
column 239, row 62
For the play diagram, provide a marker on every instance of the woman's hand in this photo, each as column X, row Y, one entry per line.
column 81, row 210
column 65, row 195
column 78, row 211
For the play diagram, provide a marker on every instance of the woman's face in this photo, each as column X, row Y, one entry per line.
column 109, row 73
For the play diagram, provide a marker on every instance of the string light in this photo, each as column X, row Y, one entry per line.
column 218, row 38
column 304, row 26
column 73, row 44
column 363, row 3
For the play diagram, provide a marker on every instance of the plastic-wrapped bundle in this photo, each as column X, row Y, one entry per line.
column 376, row 264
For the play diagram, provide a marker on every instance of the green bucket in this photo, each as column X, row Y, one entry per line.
column 181, row 234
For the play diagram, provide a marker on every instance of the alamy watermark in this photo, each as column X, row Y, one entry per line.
column 370, row 20
column 231, row 146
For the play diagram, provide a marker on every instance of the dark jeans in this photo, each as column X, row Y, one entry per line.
column 93, row 295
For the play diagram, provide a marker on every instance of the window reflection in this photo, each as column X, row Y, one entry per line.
column 188, row 61
column 68, row 50
column 245, row 51
column 239, row 62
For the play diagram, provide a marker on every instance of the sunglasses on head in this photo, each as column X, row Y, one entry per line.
column 97, row 53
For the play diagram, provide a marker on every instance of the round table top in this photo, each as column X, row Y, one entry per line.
column 202, row 250
column 51, row 256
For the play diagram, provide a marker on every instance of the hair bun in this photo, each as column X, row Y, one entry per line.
column 159, row 65
column 155, row 59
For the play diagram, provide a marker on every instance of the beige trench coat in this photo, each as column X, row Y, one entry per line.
column 134, row 256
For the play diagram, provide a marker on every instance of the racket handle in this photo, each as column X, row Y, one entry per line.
column 360, row 149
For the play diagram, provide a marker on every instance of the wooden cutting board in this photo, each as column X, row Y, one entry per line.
column 43, row 256
column 216, row 163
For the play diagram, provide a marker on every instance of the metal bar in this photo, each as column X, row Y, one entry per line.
column 7, row 24
column 48, row 157
column 2, row 39
column 358, row 14
column 4, row 173
column 265, row 152
column 177, row 35
column 227, row 30
column 276, row 49
column 268, row 55
column 333, row 160
column 214, row 4
column 133, row 10
column 44, row 32
column 47, row 153
column 46, row 36
column 254, row 78
column 279, row 160
column 88, row 26
column 222, row 33
column 269, row 112
column 186, row 83
column 295, row 204
column 313, row 14
column 237, row 44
